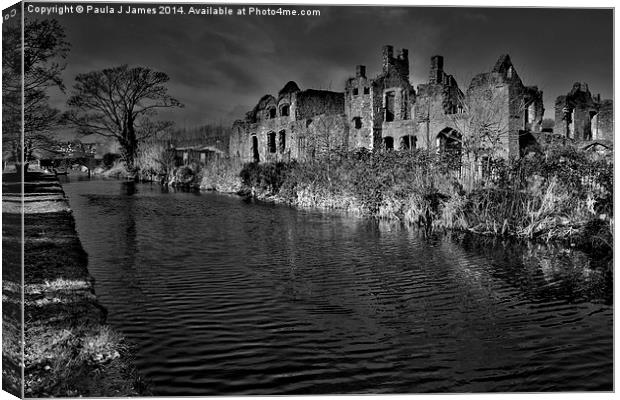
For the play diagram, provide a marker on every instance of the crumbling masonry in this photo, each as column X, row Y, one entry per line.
column 386, row 112
column 583, row 117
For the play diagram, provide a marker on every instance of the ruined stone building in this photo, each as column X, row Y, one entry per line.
column 292, row 125
column 583, row 117
column 386, row 112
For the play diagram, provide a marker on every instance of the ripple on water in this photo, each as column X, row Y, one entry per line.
column 227, row 297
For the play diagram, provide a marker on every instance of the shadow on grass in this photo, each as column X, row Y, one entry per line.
column 68, row 350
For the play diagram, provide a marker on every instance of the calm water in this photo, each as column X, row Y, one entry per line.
column 222, row 296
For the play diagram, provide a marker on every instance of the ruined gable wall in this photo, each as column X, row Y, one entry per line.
column 394, row 80
column 359, row 104
column 606, row 120
column 404, row 99
column 496, row 98
column 430, row 115
column 315, row 102
column 579, row 107
column 239, row 143
column 437, row 105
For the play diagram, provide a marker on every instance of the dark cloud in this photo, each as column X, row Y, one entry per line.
column 216, row 64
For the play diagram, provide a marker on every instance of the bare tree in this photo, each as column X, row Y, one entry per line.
column 43, row 46
column 326, row 135
column 119, row 103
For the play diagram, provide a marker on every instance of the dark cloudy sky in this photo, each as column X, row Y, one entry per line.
column 220, row 66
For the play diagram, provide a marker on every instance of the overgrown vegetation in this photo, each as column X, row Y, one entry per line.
column 564, row 195
column 155, row 161
column 222, row 176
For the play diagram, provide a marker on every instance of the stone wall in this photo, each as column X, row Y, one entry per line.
column 606, row 121
column 393, row 99
column 359, row 109
column 437, row 105
column 315, row 102
column 583, row 117
column 513, row 110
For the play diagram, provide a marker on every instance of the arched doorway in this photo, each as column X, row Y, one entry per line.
column 388, row 143
column 448, row 141
column 449, row 146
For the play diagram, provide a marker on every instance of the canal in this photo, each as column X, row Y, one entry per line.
column 225, row 296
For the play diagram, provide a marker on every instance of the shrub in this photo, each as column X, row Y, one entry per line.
column 222, row 175
column 564, row 194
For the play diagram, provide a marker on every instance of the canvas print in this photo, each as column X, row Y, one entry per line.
column 297, row 199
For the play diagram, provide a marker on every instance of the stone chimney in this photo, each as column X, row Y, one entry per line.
column 360, row 71
column 436, row 73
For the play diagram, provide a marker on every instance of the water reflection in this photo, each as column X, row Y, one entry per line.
column 224, row 296
column 544, row 270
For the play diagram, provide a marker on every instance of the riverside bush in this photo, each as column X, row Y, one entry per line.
column 222, row 176
column 565, row 194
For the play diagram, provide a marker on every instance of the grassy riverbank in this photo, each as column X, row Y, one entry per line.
column 69, row 351
column 565, row 195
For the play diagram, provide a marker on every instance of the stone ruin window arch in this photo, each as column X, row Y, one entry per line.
column 408, row 142
column 355, row 91
column 271, row 142
column 366, row 90
column 285, row 110
column 282, row 141
column 357, row 122
column 271, row 112
column 509, row 72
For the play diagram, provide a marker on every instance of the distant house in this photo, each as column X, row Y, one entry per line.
column 196, row 154
column 66, row 154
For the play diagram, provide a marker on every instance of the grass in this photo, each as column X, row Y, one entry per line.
column 69, row 350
